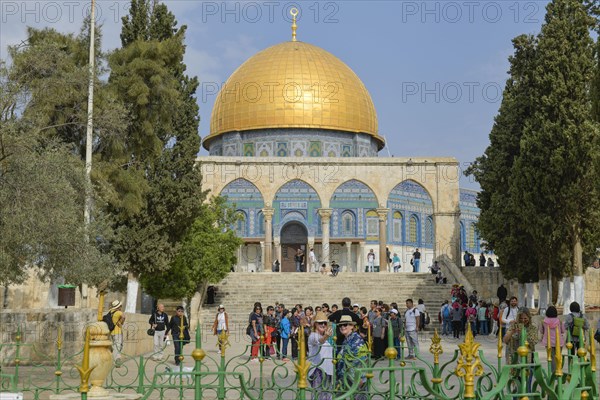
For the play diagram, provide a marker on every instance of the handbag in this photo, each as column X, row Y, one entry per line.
column 150, row 332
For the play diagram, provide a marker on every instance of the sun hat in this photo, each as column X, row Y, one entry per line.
column 320, row 317
column 393, row 310
column 346, row 319
column 221, row 306
column 356, row 305
column 115, row 304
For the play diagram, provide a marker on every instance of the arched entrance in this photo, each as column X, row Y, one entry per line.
column 294, row 236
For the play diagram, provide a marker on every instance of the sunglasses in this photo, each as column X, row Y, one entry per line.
column 321, row 323
column 343, row 325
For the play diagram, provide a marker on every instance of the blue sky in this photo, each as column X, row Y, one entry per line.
column 435, row 69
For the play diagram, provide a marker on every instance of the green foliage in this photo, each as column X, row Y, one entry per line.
column 206, row 255
column 539, row 181
column 498, row 222
column 148, row 74
column 43, row 107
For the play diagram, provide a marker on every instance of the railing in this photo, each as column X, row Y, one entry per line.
column 566, row 373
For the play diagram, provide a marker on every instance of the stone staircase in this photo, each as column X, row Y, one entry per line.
column 239, row 291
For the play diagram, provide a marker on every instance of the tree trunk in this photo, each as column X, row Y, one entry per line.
column 530, row 303
column 133, row 285
column 578, row 270
column 522, row 293
column 543, row 288
column 568, row 294
column 559, row 292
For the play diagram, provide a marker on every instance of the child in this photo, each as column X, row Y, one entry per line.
column 549, row 325
column 285, row 331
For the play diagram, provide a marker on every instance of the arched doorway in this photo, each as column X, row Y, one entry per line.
column 294, row 236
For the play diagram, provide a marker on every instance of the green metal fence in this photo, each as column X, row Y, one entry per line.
column 562, row 373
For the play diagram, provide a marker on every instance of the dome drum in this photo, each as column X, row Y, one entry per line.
column 293, row 143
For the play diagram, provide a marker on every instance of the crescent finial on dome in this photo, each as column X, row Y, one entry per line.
column 294, row 13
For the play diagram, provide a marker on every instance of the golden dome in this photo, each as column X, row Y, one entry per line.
column 294, row 85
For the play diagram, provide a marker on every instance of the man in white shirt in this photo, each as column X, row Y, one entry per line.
column 509, row 315
column 411, row 319
column 371, row 260
column 313, row 260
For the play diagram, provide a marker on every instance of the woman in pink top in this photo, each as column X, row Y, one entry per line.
column 549, row 325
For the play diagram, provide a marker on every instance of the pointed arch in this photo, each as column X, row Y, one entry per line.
column 357, row 198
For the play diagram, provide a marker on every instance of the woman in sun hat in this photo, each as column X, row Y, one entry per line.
column 221, row 323
column 353, row 354
column 116, row 334
column 320, row 355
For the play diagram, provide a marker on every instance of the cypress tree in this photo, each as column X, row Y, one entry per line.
column 554, row 181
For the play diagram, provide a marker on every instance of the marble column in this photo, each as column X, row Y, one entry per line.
column 268, row 254
column 261, row 265
column 325, row 214
column 361, row 258
column 277, row 244
column 348, row 256
column 382, row 213
column 311, row 245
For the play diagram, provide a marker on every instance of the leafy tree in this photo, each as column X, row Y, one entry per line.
column 206, row 255
column 498, row 223
column 42, row 116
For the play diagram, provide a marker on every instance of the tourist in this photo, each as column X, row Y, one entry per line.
column 378, row 334
column 320, row 355
column 509, row 314
column 577, row 324
column 295, row 321
column 336, row 317
column 482, row 260
column 159, row 321
column 513, row 335
column 466, row 258
column 276, row 266
column 270, row 324
column 423, row 313
column 221, row 323
column 371, row 261
column 548, row 327
column 256, row 320
column 372, row 314
column 471, row 314
column 416, row 260
column 298, row 259
column 323, row 269
column 334, row 308
column 326, row 310
column 411, row 318
column 179, row 327
column 457, row 316
column 356, row 309
column 279, row 316
column 388, row 258
column 445, row 313
column 353, row 354
column 116, row 335
column 482, row 320
column 435, row 268
column 471, row 260
column 490, row 262
column 313, row 260
column 495, row 316
column 396, row 327
column 501, row 293
column 335, row 268
column 285, row 331
column 396, row 263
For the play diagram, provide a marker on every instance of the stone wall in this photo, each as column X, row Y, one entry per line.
column 39, row 333
column 486, row 281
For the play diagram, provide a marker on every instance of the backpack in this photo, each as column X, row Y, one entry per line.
column 108, row 319
column 597, row 335
column 577, row 328
column 427, row 320
column 446, row 312
column 249, row 330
